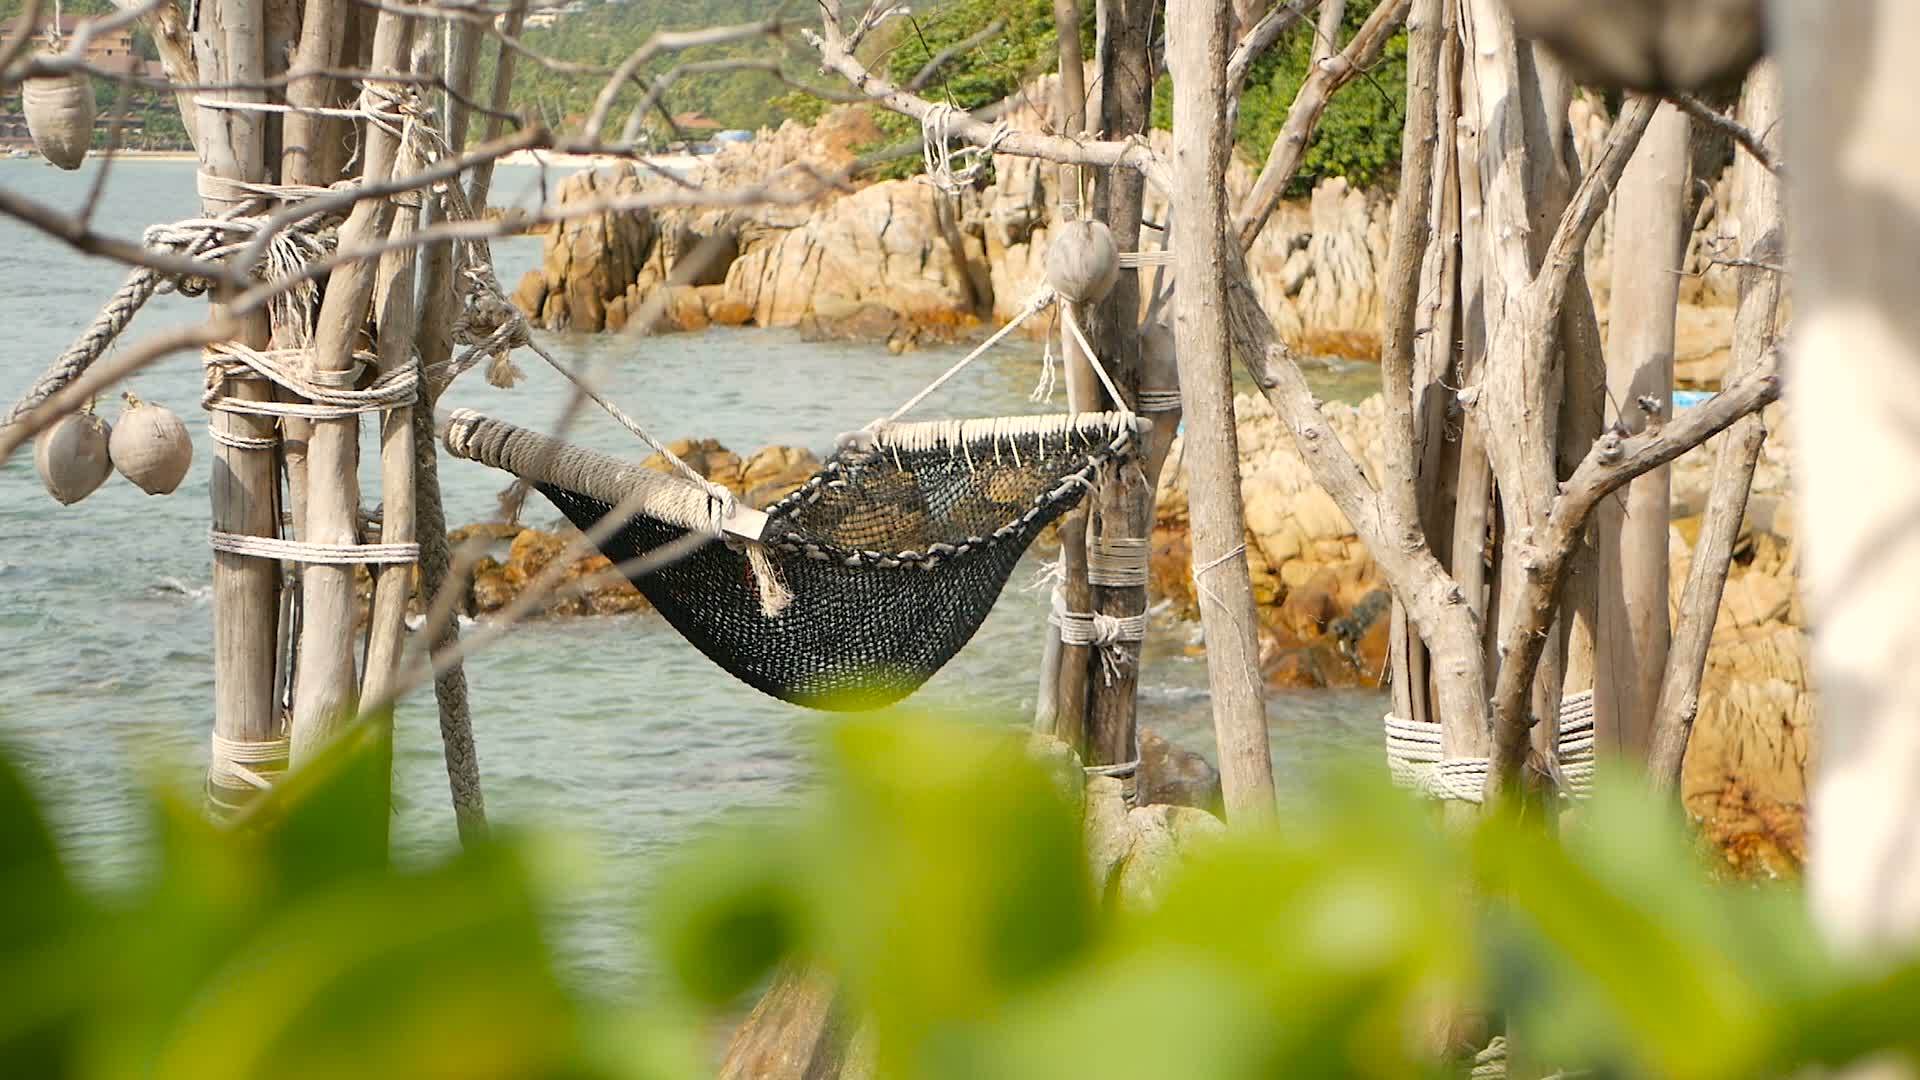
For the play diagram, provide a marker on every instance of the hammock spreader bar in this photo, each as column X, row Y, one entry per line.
column 895, row 551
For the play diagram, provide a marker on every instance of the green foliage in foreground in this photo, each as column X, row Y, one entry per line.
column 940, row 873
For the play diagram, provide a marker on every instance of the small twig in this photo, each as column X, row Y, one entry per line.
column 1749, row 140
column 946, row 55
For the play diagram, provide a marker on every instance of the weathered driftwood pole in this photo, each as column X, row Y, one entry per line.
column 1853, row 206
column 1650, row 238
column 230, row 51
column 1124, row 502
column 1761, row 243
column 1199, row 37
column 1411, row 226
column 1070, row 701
column 1122, row 518
column 308, row 155
column 395, row 323
column 324, row 691
column 1083, row 395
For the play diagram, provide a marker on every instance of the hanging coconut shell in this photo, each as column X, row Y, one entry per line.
column 72, row 456
column 150, row 446
column 1660, row 46
column 1082, row 263
column 60, row 111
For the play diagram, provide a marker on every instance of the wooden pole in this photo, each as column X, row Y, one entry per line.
column 1083, row 395
column 395, row 320
column 1650, row 236
column 1124, row 501
column 479, row 187
column 1123, row 511
column 1200, row 35
column 1411, row 226
column 1756, row 209
column 1070, row 710
column 229, row 46
column 324, row 688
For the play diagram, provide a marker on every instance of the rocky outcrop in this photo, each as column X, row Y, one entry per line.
column 1747, row 762
column 1323, row 613
column 898, row 261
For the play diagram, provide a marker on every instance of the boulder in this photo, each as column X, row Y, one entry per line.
column 1176, row 776
column 1163, row 838
column 775, row 472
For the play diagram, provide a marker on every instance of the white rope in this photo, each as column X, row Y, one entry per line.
column 235, row 763
column 306, row 551
column 1417, row 761
column 939, row 157
column 1159, row 401
column 1034, row 304
column 1158, row 257
column 226, row 361
column 1109, row 635
column 1073, row 327
column 1117, row 562
column 1043, row 390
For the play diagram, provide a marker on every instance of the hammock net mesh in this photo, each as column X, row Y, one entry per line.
column 894, row 552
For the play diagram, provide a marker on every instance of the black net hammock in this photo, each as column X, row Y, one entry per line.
column 884, row 563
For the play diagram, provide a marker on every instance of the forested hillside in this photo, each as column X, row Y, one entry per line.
column 606, row 33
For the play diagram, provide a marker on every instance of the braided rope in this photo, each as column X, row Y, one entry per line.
column 118, row 311
column 236, row 763
column 1117, row 562
column 328, row 395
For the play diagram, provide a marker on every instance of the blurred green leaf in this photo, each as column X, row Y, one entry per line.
column 946, row 871
column 727, row 912
column 44, row 953
column 1616, row 949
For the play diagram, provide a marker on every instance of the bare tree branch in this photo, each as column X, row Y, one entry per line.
column 1615, row 460
column 940, row 59
column 1260, row 37
column 1750, row 140
column 666, row 41
column 1590, row 199
column 1131, row 154
column 1290, row 148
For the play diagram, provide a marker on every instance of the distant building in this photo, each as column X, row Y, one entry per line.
column 110, row 52
column 693, row 121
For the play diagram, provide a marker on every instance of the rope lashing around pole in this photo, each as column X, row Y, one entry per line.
column 1108, row 634
column 1159, row 400
column 1416, row 761
column 237, row 764
column 201, row 238
column 324, row 396
column 1117, row 561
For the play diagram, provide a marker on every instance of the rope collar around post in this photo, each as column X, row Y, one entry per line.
column 235, row 764
column 1416, row 762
